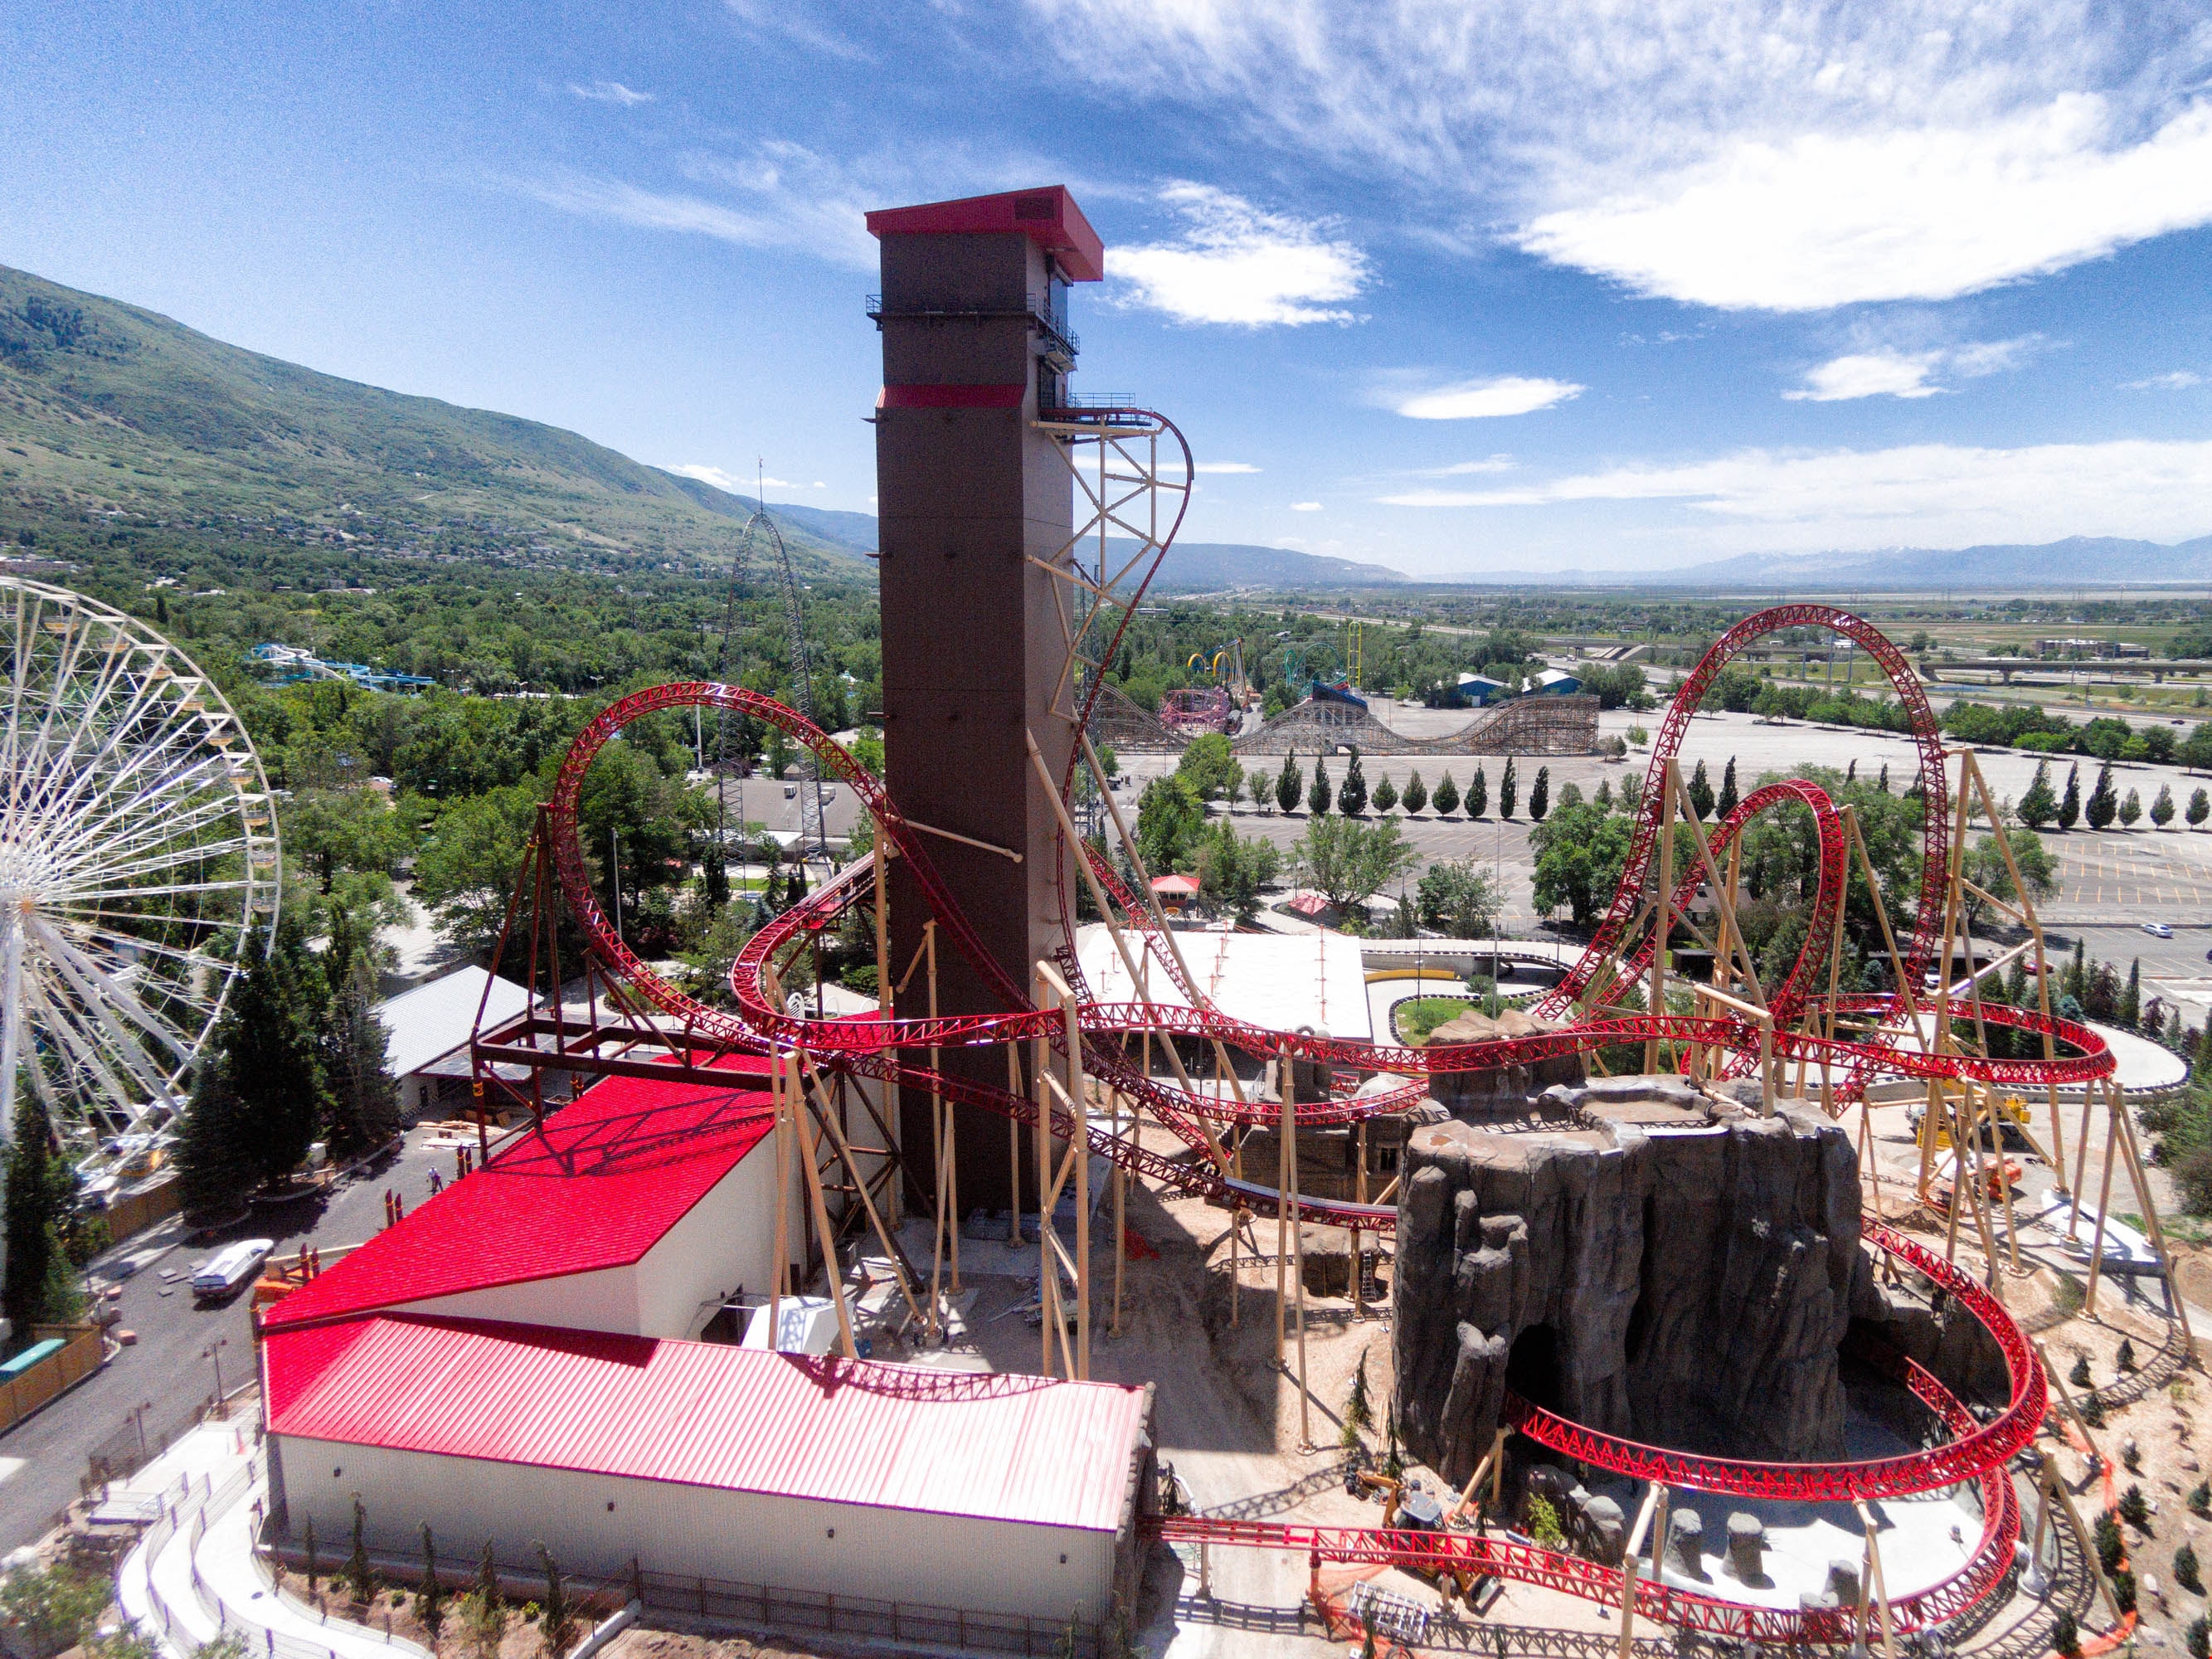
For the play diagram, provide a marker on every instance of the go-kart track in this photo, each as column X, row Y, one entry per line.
column 887, row 1050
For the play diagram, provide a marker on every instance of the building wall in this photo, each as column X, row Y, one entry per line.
column 986, row 1566
column 726, row 1242
column 602, row 1301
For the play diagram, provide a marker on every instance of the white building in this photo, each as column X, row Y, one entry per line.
column 427, row 1031
column 511, row 1362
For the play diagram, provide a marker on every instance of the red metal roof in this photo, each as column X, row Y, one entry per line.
column 1048, row 216
column 1174, row 883
column 599, row 1186
column 1023, row 1448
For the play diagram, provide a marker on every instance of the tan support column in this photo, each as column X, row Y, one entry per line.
column 1664, row 915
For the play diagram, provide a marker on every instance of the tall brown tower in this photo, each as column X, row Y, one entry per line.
column 969, row 492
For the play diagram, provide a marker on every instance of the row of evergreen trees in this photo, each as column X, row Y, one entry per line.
column 298, row 1055
column 2042, row 805
column 1351, row 797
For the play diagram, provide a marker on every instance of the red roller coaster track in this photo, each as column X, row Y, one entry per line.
column 880, row 1049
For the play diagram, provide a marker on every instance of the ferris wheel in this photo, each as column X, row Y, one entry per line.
column 138, row 858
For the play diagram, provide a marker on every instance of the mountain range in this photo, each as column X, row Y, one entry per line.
column 114, row 418
column 2075, row 561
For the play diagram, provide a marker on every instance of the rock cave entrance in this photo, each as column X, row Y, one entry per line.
column 1532, row 1367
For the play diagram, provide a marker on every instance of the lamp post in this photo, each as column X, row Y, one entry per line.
column 213, row 1353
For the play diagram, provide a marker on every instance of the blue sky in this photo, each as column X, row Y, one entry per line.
column 1531, row 284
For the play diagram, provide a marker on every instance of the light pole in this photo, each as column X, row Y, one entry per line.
column 213, row 1352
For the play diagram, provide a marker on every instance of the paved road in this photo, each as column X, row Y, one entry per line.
column 42, row 1457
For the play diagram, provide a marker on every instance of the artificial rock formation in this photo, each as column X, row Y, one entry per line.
column 1687, row 1285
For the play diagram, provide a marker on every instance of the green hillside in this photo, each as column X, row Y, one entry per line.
column 119, row 427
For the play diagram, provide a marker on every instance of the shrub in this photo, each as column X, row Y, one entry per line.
column 2066, row 1636
column 2123, row 1591
column 2184, row 1571
column 2197, row 1639
column 2134, row 1508
column 2078, row 1376
column 2127, row 1355
column 2110, row 1545
column 1543, row 1522
column 2200, row 1498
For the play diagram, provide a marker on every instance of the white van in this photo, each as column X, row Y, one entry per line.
column 230, row 1267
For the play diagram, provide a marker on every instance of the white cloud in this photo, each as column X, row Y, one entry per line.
column 1463, row 469
column 731, row 482
column 1226, row 466
column 1760, row 153
column 1236, row 264
column 1921, row 495
column 1886, row 371
column 2178, row 379
column 819, row 484
column 1883, row 373
column 1504, row 394
column 1305, row 506
column 610, row 92
column 1920, row 213
column 782, row 196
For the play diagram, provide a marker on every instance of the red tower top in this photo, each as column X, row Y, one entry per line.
column 1047, row 217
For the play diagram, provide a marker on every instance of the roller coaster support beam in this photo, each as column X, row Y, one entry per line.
column 1874, row 1590
column 793, row 1106
column 1628, row 1568
column 1664, row 909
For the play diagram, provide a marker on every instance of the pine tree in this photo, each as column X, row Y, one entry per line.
column 160, row 611
column 1358, row 1410
column 2162, row 810
column 2132, row 999
column 1540, row 795
column 1352, row 799
column 2124, row 1361
column 1386, row 794
column 1851, row 770
column 215, row 1159
column 1882, row 782
column 270, row 1044
column 2104, row 806
column 364, row 1097
column 1287, row 783
column 2078, row 1376
column 2130, row 810
column 1477, row 793
column 1701, row 792
column 715, row 873
column 2200, row 808
column 2039, row 806
column 41, row 1285
column 1317, row 796
column 307, row 1544
column 1603, row 800
column 358, row 1572
column 2066, row 1636
column 556, row 1616
column 1415, row 796
column 430, row 1603
column 2069, row 804
column 1509, row 790
column 1728, row 797
column 1447, row 796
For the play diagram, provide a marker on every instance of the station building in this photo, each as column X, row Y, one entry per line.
column 519, row 1360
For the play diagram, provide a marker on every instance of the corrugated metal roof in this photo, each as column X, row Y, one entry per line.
column 597, row 1187
column 436, row 1018
column 1021, row 1449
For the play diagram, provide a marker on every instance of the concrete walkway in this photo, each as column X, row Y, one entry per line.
column 194, row 1575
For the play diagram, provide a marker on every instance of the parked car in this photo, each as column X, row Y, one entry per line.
column 2158, row 930
column 234, row 1265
